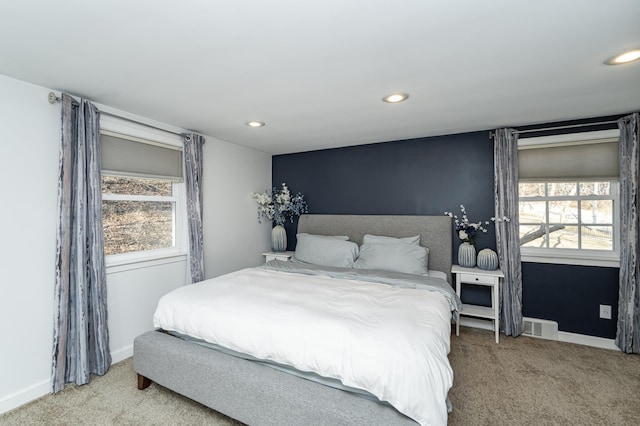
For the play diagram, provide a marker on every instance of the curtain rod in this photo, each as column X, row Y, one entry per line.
column 53, row 99
column 568, row 126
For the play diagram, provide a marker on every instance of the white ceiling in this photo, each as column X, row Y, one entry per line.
column 315, row 71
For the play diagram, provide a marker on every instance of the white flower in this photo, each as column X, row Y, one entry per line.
column 279, row 206
column 467, row 230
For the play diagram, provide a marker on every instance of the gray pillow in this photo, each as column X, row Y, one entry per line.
column 403, row 257
column 380, row 239
column 325, row 251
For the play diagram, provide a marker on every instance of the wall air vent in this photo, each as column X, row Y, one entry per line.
column 543, row 329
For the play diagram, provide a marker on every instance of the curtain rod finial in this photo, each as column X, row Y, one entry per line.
column 53, row 98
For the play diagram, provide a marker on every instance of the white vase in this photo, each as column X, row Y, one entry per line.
column 467, row 255
column 278, row 239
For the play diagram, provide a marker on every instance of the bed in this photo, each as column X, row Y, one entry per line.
column 239, row 374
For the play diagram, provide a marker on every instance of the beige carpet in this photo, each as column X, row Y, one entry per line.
column 527, row 381
column 521, row 381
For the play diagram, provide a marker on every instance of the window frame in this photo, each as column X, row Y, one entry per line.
column 585, row 257
column 178, row 216
column 579, row 256
column 133, row 260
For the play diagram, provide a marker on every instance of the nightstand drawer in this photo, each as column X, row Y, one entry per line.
column 284, row 256
column 477, row 279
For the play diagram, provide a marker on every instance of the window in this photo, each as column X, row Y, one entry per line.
column 568, row 215
column 568, row 200
column 138, row 214
column 142, row 198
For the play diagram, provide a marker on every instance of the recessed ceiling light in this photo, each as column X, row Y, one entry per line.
column 255, row 123
column 395, row 98
column 623, row 58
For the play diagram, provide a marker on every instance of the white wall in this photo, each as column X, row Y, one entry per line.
column 132, row 296
column 30, row 131
column 29, row 136
column 233, row 238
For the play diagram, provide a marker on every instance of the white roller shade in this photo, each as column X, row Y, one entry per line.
column 136, row 157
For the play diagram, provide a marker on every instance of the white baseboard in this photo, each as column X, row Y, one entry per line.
column 563, row 336
column 25, row 396
column 582, row 339
column 38, row 390
column 121, row 354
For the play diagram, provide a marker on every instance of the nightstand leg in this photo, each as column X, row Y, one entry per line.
column 496, row 308
column 458, row 292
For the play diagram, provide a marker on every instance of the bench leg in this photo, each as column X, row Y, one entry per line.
column 143, row 382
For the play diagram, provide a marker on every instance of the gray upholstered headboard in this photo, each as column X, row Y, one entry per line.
column 435, row 231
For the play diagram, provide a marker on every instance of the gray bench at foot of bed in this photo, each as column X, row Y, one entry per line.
column 249, row 392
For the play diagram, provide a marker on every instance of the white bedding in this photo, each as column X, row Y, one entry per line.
column 392, row 342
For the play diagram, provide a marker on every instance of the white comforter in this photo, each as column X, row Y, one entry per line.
column 392, row 342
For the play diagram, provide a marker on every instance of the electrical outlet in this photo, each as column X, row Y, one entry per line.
column 605, row 311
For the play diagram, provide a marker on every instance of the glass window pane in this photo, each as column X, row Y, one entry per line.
column 532, row 211
column 595, row 188
column 531, row 189
column 137, row 225
column 596, row 211
column 575, row 223
column 136, row 186
column 563, row 237
column 562, row 189
column 597, row 237
column 563, row 211
column 533, row 236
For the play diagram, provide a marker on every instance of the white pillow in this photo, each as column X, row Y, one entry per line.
column 379, row 239
column 406, row 258
column 338, row 237
column 325, row 251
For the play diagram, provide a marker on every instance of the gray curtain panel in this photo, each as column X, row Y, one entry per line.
column 505, row 156
column 193, row 183
column 80, row 336
column 628, row 327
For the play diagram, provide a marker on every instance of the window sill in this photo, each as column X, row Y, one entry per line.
column 122, row 263
column 582, row 259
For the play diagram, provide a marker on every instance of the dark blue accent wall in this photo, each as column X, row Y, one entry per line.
column 414, row 177
column 428, row 176
column 571, row 295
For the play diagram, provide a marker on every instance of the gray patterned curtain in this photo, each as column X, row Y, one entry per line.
column 628, row 329
column 193, row 182
column 80, row 335
column 505, row 155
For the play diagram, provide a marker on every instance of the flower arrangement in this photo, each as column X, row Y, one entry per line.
column 278, row 205
column 468, row 231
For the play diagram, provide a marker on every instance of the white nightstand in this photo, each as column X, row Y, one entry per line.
column 477, row 276
column 285, row 256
